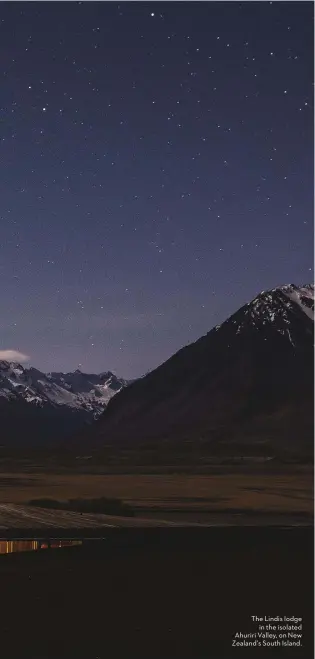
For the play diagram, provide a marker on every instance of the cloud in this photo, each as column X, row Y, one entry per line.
column 13, row 356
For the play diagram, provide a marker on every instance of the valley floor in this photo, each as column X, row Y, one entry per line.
column 285, row 494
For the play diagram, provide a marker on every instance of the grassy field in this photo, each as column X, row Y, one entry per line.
column 268, row 492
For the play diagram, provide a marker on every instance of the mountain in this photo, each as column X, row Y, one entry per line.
column 36, row 405
column 246, row 388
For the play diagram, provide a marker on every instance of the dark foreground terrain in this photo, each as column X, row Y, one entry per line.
column 157, row 594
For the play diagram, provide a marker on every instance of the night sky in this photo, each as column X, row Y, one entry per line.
column 156, row 173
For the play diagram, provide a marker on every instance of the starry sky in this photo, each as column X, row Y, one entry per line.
column 156, row 173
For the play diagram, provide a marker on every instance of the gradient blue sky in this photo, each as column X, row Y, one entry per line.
column 156, row 173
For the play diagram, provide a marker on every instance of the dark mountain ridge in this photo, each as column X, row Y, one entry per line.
column 247, row 385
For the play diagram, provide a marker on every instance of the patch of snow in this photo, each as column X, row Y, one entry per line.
column 290, row 338
column 295, row 297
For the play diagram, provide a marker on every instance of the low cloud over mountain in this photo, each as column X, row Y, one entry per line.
column 13, row 356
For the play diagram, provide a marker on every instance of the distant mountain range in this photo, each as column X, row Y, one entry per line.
column 246, row 388
column 35, row 406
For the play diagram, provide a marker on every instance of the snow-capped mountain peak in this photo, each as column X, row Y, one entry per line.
column 279, row 307
column 246, row 385
column 79, row 391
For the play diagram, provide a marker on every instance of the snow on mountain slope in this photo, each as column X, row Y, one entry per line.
column 79, row 391
column 303, row 297
column 280, row 306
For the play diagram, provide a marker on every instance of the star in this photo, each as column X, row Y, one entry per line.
column 102, row 170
